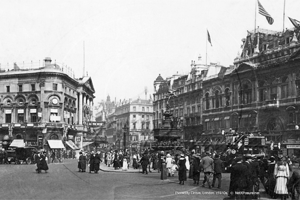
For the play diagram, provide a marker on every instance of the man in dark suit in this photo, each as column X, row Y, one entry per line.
column 249, row 165
column 238, row 179
column 92, row 162
column 97, row 161
column 144, row 162
column 271, row 178
column 218, row 169
column 37, row 159
column 255, row 176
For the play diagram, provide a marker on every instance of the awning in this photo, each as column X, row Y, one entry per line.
column 19, row 143
column 71, row 144
column 86, row 143
column 56, row 144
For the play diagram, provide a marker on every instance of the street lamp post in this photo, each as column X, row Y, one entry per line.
column 125, row 130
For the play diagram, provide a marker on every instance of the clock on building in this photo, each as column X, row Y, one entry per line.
column 54, row 101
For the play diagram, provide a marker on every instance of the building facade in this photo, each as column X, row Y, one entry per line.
column 132, row 124
column 259, row 93
column 45, row 103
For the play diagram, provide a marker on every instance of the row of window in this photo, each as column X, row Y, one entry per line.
column 33, row 88
column 234, row 121
column 143, row 109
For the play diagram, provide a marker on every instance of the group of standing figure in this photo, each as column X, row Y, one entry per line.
column 93, row 159
column 248, row 172
column 41, row 162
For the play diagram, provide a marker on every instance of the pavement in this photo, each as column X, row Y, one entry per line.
column 174, row 179
column 63, row 181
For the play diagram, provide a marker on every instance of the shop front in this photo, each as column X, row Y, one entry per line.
column 56, row 150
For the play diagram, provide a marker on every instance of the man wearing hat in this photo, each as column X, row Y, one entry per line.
column 196, row 168
column 208, row 169
column 218, row 168
column 238, row 179
column 271, row 179
column 248, row 164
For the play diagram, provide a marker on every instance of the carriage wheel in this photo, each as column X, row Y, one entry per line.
column 28, row 161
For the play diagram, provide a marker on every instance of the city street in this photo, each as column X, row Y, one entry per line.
column 63, row 181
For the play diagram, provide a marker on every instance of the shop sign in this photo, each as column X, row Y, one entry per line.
column 78, row 139
column 293, row 146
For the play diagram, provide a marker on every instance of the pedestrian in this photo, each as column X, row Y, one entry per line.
column 116, row 161
column 125, row 165
column 79, row 165
column 187, row 163
column 134, row 161
column 255, row 177
column 281, row 173
column 218, row 169
column 108, row 157
column 43, row 162
column 270, row 186
column 53, row 156
column 249, row 177
column 192, row 156
column 97, row 160
column 208, row 168
column 37, row 159
column 169, row 164
column 238, row 180
column 82, row 162
column 144, row 162
column 92, row 162
column 174, row 168
column 182, row 169
column 196, row 168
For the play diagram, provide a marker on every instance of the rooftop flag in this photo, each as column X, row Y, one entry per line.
column 295, row 22
column 208, row 38
column 263, row 12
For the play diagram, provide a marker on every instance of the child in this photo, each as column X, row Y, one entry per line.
column 174, row 168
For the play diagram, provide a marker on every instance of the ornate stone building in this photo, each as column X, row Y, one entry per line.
column 133, row 123
column 259, row 93
column 43, row 104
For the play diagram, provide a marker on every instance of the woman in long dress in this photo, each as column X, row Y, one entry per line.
column 181, row 169
column 43, row 162
column 125, row 165
column 282, row 174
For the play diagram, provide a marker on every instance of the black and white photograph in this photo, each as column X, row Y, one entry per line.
column 149, row 99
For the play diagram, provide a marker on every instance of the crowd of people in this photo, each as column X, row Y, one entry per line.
column 248, row 173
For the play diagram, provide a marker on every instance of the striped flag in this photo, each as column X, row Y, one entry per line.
column 263, row 12
column 208, row 38
column 295, row 22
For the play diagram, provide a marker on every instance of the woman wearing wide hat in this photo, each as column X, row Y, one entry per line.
column 281, row 173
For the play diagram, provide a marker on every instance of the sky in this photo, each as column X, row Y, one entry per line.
column 123, row 45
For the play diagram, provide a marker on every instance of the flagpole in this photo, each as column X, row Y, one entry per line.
column 255, row 16
column 206, row 47
column 283, row 16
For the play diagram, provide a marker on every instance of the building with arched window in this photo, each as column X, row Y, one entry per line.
column 259, row 93
column 43, row 104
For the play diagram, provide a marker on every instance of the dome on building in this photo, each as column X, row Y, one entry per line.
column 159, row 79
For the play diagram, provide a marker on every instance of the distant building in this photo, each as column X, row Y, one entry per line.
column 43, row 104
